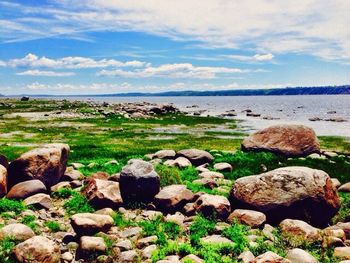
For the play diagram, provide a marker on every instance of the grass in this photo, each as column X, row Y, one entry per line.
column 53, row 226
column 77, row 204
column 29, row 220
column 121, row 222
column 6, row 247
column 8, row 205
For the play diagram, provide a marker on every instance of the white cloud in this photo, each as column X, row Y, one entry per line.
column 264, row 25
column 32, row 60
column 45, row 73
column 2, row 63
column 179, row 70
column 255, row 58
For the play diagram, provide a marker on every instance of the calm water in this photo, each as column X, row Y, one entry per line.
column 289, row 109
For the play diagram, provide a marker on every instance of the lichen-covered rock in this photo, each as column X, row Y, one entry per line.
column 196, row 157
column 289, row 192
column 38, row 249
column 286, row 140
column 46, row 164
column 139, row 181
column 89, row 224
column 26, row 189
column 213, row 205
column 102, row 193
column 173, row 198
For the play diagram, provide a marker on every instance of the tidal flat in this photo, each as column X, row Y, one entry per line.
column 103, row 137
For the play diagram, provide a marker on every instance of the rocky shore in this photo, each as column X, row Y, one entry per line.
column 51, row 212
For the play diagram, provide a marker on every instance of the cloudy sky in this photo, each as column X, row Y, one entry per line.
column 109, row 46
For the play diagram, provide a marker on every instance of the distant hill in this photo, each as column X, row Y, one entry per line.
column 327, row 90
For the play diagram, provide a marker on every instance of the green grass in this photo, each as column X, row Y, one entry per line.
column 77, row 204
column 8, row 205
column 6, row 247
column 53, row 226
column 121, row 222
column 201, row 227
column 29, row 220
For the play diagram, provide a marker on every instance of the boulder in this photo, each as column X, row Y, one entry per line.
column 89, row 224
column 91, row 246
column 213, row 205
column 26, row 189
column 165, row 154
column 289, row 192
column 139, row 181
column 344, row 188
column 71, row 175
column 300, row 231
column 38, row 249
column 223, row 167
column 196, row 157
column 3, row 161
column 39, row 201
column 270, row 257
column 298, row 255
column 180, row 162
column 173, row 198
column 16, row 231
column 102, row 193
column 247, row 217
column 3, row 181
column 342, row 252
column 286, row 140
column 46, row 164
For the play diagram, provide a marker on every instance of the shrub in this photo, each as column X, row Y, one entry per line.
column 77, row 204
column 8, row 205
column 200, row 227
column 53, row 226
column 6, row 247
column 237, row 233
column 168, row 175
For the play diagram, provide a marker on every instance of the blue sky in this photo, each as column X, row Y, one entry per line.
column 111, row 46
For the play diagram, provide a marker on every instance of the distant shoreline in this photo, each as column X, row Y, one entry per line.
column 326, row 90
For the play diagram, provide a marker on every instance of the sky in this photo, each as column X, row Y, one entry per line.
column 117, row 46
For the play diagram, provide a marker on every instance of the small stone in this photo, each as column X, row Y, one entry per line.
column 146, row 241
column 223, row 167
column 246, row 257
column 129, row 232
column 92, row 244
column 128, row 256
column 124, row 244
column 192, row 258
column 247, row 217
column 67, row 256
column 345, row 188
column 211, row 175
column 210, row 205
column 39, row 201
column 89, row 224
column 147, row 251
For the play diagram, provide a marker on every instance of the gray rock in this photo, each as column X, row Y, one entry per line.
column 89, row 224
column 139, row 182
column 16, row 231
column 39, row 201
column 297, row 255
column 210, row 205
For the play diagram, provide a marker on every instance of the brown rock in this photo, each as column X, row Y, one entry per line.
column 26, row 189
column 300, row 231
column 71, row 175
column 270, row 257
column 39, row 201
column 223, row 167
column 16, row 231
column 46, row 164
column 286, row 140
column 38, row 249
column 344, row 188
column 3, row 180
column 298, row 255
column 3, row 161
column 165, row 154
column 289, row 192
column 247, row 217
column 173, row 198
column 89, row 224
column 102, row 193
column 342, row 252
column 213, row 205
column 196, row 157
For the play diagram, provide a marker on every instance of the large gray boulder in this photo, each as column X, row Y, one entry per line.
column 286, row 140
column 46, row 164
column 139, row 181
column 289, row 192
column 196, row 157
